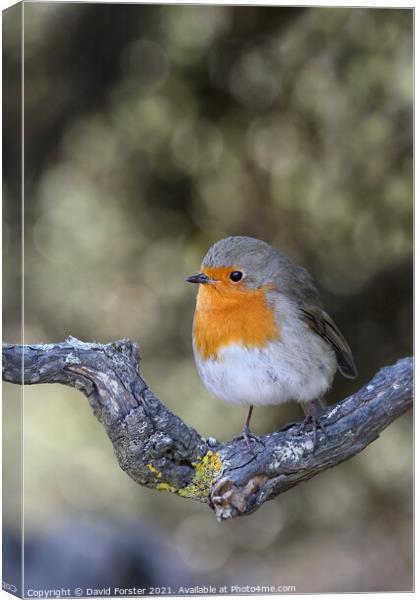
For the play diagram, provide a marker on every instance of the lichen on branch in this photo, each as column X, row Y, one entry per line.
column 158, row 450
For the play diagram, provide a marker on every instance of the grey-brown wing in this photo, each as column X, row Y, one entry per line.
column 323, row 325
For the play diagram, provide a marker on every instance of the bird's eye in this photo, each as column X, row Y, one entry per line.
column 236, row 276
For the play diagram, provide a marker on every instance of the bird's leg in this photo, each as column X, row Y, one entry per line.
column 248, row 419
column 246, row 434
column 312, row 410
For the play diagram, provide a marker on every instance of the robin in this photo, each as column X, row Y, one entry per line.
column 260, row 334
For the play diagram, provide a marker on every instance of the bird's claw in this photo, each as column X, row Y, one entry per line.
column 247, row 436
column 316, row 422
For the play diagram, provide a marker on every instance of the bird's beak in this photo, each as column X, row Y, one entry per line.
column 200, row 278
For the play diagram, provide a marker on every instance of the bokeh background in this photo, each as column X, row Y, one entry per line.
column 150, row 133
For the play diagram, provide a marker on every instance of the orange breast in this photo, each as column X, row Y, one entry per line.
column 228, row 314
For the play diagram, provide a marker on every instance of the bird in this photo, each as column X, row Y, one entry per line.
column 261, row 335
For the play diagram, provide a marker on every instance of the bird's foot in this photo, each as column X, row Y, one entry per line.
column 316, row 422
column 248, row 436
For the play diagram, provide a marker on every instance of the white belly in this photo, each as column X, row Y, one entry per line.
column 298, row 367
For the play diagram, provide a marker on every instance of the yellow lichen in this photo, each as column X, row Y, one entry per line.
column 153, row 470
column 206, row 472
column 166, row 486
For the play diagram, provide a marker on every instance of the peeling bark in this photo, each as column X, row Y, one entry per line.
column 158, row 450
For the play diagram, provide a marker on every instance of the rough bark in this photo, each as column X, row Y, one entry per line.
column 158, row 450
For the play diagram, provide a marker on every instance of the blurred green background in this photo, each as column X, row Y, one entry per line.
column 150, row 133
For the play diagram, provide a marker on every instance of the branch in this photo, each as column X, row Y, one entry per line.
column 158, row 450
